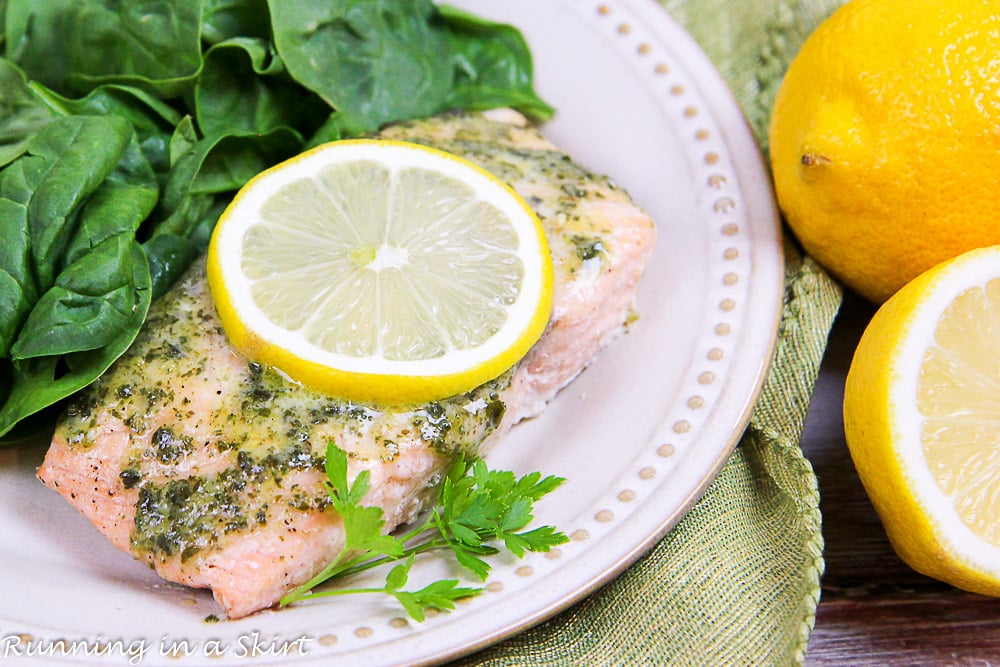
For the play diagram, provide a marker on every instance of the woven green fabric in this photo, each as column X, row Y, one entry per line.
column 738, row 580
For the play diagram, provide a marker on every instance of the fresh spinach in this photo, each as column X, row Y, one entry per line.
column 31, row 387
column 245, row 89
column 170, row 255
column 74, row 45
column 126, row 127
column 493, row 66
column 371, row 61
column 93, row 299
column 225, row 19
column 79, row 282
column 152, row 118
column 40, row 195
column 21, row 115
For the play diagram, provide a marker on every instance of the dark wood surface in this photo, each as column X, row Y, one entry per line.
column 874, row 610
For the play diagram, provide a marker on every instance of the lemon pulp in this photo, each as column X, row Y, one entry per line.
column 958, row 396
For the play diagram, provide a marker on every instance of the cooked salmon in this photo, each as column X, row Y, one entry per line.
column 209, row 467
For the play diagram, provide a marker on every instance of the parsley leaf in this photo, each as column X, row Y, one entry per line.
column 362, row 524
column 475, row 507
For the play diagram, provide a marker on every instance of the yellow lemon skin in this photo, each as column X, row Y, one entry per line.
column 873, row 410
column 884, row 138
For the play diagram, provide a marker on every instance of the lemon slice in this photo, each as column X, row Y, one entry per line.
column 922, row 420
column 381, row 271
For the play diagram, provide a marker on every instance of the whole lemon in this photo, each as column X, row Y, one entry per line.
column 885, row 139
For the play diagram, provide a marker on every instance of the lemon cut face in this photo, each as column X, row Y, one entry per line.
column 922, row 420
column 381, row 271
column 958, row 399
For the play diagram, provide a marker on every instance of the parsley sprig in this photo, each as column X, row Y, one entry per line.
column 476, row 509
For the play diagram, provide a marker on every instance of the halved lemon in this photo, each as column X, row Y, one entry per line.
column 922, row 420
column 381, row 271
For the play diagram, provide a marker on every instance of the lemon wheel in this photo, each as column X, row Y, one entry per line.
column 381, row 271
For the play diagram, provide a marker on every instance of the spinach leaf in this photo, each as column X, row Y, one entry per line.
column 169, row 256
column 180, row 208
column 40, row 196
column 71, row 46
column 244, row 89
column 75, row 279
column 65, row 163
column 145, row 111
column 330, row 130
column 34, row 384
column 226, row 19
column 17, row 284
column 373, row 62
column 21, row 115
column 152, row 118
column 203, row 168
column 493, row 66
column 119, row 205
column 232, row 160
column 91, row 303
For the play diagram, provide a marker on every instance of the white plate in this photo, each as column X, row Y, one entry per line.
column 639, row 436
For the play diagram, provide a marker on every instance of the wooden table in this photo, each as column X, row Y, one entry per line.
column 874, row 610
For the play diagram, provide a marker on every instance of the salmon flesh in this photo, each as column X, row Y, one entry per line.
column 210, row 467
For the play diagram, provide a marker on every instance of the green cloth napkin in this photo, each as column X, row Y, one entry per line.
column 738, row 580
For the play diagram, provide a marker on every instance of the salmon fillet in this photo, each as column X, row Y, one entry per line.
column 209, row 467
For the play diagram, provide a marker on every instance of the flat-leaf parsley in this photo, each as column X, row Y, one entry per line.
column 476, row 507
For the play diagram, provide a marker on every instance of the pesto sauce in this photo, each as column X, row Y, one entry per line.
column 587, row 247
column 188, row 514
column 184, row 516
